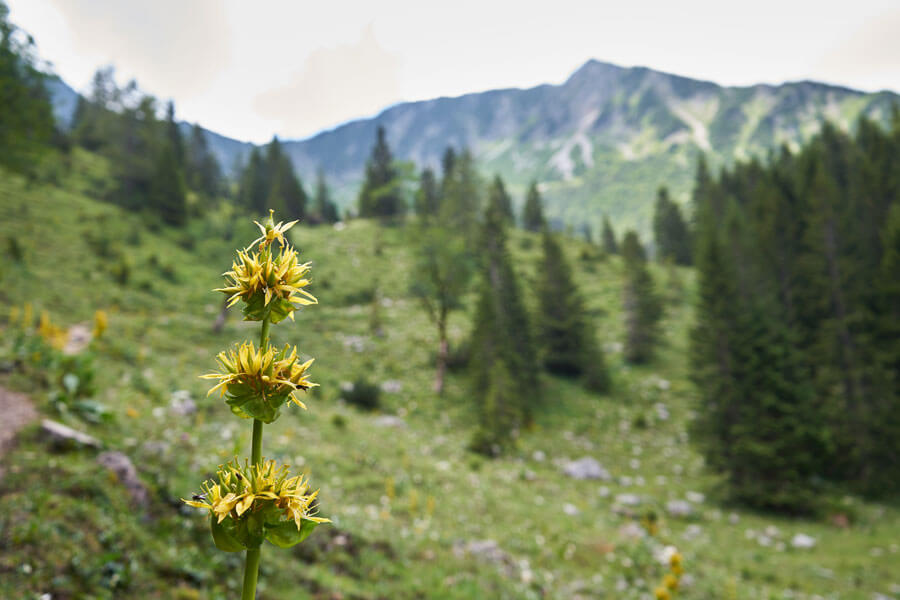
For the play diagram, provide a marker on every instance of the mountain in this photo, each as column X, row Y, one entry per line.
column 601, row 142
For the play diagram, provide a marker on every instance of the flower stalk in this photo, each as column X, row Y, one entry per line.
column 260, row 501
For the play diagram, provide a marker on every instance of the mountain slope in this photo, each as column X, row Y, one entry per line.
column 601, row 142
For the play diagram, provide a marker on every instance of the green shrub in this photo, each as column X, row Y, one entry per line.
column 362, row 394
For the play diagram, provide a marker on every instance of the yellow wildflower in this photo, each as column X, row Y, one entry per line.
column 251, row 489
column 256, row 382
column 100, row 323
column 53, row 335
column 662, row 593
column 675, row 564
column 670, row 581
column 271, row 231
column 271, row 284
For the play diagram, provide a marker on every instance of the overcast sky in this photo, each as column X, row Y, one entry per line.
column 253, row 69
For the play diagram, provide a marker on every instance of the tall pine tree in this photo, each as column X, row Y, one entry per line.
column 533, row 212
column 566, row 334
column 643, row 306
column 610, row 244
column 381, row 195
column 673, row 240
column 506, row 385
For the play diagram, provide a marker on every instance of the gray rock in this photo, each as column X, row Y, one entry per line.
column 182, row 404
column 632, row 531
column 122, row 467
column 695, row 497
column 487, row 549
column 78, row 339
column 679, row 508
column 586, row 468
column 628, row 500
column 390, row 421
column 62, row 436
column 803, row 541
column 392, row 386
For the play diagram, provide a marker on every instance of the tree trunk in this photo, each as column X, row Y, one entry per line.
column 220, row 320
column 443, row 352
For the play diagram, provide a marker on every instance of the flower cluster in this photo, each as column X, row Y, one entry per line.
column 257, row 382
column 251, row 503
column 270, row 283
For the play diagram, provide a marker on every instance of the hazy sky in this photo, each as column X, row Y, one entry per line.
column 253, row 69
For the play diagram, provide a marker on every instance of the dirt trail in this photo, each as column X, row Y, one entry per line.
column 16, row 411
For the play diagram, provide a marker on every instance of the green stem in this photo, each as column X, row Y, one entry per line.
column 251, row 572
column 251, row 563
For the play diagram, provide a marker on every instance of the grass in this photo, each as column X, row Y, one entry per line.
column 406, row 501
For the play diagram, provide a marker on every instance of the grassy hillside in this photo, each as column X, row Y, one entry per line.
column 414, row 513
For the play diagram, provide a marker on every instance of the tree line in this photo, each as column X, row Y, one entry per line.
column 795, row 351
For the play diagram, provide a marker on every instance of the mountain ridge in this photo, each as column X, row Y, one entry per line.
column 600, row 142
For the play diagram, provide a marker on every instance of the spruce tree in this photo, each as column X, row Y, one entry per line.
column 253, row 192
column 610, row 244
column 564, row 329
column 461, row 197
column 427, row 200
column 506, row 385
column 174, row 135
column 643, row 307
column 673, row 241
column 380, row 195
column 632, row 250
column 498, row 197
column 533, row 212
column 168, row 195
column 326, row 210
column 202, row 171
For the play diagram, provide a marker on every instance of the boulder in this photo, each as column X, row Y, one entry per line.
column 803, row 541
column 679, row 508
column 390, row 421
column 62, row 436
column 124, row 470
column 586, row 468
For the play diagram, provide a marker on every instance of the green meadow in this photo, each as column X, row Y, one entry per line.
column 415, row 514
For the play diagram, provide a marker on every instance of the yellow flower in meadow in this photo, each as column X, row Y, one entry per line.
column 256, row 382
column 675, row 560
column 670, row 581
column 269, row 283
column 263, row 493
column 53, row 335
column 662, row 593
column 100, row 323
column 271, row 231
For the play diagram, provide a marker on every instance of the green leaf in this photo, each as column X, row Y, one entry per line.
column 251, row 404
column 251, row 531
column 285, row 534
column 224, row 535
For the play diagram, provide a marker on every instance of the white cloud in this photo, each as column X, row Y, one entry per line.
column 334, row 85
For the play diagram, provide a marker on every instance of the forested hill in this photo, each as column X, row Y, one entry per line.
column 601, row 142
